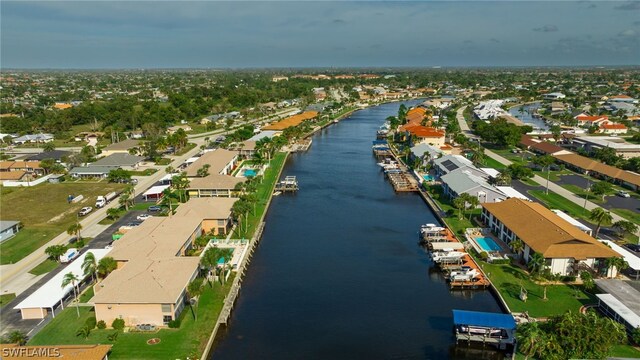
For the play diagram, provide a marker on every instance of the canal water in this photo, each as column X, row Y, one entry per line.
column 525, row 113
column 339, row 273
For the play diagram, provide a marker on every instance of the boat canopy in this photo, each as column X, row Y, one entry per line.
column 484, row 319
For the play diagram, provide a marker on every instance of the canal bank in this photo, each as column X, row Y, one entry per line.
column 339, row 272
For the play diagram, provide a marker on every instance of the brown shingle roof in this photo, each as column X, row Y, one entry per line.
column 124, row 145
column 546, row 232
column 595, row 166
column 12, row 175
column 547, row 147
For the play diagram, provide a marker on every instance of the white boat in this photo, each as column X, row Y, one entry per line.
column 335, row 121
column 445, row 255
column 464, row 276
column 386, row 162
column 431, row 229
column 277, row 193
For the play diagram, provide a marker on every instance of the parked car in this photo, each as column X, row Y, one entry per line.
column 632, row 247
column 154, row 208
column 623, row 194
column 85, row 210
column 143, row 217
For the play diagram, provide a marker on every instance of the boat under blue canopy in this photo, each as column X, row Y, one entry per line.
column 484, row 319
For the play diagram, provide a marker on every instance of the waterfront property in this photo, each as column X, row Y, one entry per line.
column 566, row 249
column 220, row 164
column 149, row 286
column 291, row 121
column 591, row 143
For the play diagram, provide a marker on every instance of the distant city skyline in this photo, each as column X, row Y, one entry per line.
column 169, row 34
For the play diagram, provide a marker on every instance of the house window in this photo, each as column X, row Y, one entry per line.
column 166, row 319
column 221, row 222
column 166, row 308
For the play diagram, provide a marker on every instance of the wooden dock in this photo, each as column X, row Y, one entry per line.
column 289, row 184
column 301, row 145
column 402, row 182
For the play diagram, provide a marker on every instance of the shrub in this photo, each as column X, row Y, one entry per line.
column 113, row 336
column 91, row 323
column 484, row 256
column 501, row 261
column 174, row 324
column 568, row 278
column 118, row 324
column 101, row 325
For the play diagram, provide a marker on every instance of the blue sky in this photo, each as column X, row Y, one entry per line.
column 145, row 34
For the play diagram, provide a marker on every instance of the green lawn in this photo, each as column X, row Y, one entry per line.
column 145, row 172
column 553, row 175
column 454, row 222
column 489, row 162
column 185, row 149
column 44, row 267
column 45, row 213
column 628, row 214
column 555, row 201
column 263, row 194
column 187, row 341
column 86, row 295
column 6, row 298
column 625, row 351
column 560, row 298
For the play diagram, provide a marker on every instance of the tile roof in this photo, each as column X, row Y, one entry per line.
column 591, row 165
column 546, row 232
column 294, row 120
column 220, row 182
column 124, row 145
column 423, row 131
column 217, row 159
column 12, row 175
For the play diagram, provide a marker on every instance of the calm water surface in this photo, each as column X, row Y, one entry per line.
column 339, row 273
column 526, row 115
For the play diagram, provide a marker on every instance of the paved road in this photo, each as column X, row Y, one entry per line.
column 631, row 203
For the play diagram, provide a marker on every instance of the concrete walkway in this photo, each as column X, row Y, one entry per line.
column 464, row 127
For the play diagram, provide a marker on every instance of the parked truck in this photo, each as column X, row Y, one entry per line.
column 104, row 200
column 69, row 255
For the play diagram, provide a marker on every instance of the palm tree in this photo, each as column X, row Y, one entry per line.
column 536, row 263
column 74, row 229
column 90, row 265
column 473, row 203
column 71, row 278
column 517, row 246
column 17, row 337
column 625, row 227
column 84, row 332
column 528, row 335
column 113, row 213
column 600, row 216
column 209, row 260
column 459, row 203
column 106, row 265
column 226, row 255
column 616, row 262
column 504, row 177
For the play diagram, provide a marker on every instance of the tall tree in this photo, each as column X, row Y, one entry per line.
column 600, row 216
column 71, row 278
column 90, row 266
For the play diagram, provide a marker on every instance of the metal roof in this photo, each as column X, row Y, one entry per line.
column 484, row 319
column 50, row 294
column 616, row 305
column 6, row 224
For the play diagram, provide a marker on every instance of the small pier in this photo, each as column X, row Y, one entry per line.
column 402, row 182
column 484, row 328
column 289, row 184
column 301, row 145
column 381, row 149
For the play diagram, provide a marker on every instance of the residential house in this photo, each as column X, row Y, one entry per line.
column 541, row 146
column 554, row 96
column 591, row 143
column 557, row 106
column 124, row 161
column 13, row 175
column 426, row 151
column 214, row 186
column 619, row 301
column 33, row 138
column 28, row 167
column 122, row 147
column 588, row 121
column 279, row 78
column 425, row 134
column 172, row 129
column 57, row 155
column 246, row 149
column 614, row 129
column 8, row 229
column 565, row 248
column 220, row 161
column 461, row 181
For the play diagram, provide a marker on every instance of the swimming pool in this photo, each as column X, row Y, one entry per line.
column 249, row 173
column 427, row 177
column 487, row 244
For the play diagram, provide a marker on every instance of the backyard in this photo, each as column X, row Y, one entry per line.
column 187, row 341
column 509, row 279
column 44, row 212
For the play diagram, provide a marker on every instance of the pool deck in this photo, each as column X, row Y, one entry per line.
column 472, row 233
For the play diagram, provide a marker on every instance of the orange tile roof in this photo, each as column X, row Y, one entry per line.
column 12, row 175
column 614, row 126
column 424, row 131
column 62, row 106
column 294, row 120
column 591, row 118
